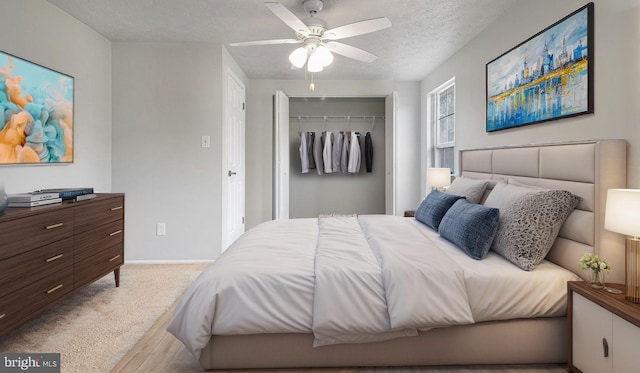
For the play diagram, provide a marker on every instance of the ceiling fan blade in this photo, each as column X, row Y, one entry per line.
column 357, row 28
column 265, row 42
column 287, row 17
column 351, row 52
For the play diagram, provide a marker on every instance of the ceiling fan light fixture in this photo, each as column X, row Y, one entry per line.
column 313, row 67
column 320, row 58
column 324, row 55
column 298, row 57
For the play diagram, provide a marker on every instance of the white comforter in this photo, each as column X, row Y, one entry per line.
column 355, row 279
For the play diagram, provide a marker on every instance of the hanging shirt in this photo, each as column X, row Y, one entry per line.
column 310, row 140
column 317, row 153
column 354, row 154
column 327, row 153
column 304, row 152
column 368, row 151
column 344, row 158
column 337, row 151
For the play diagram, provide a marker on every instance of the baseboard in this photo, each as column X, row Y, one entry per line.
column 176, row 261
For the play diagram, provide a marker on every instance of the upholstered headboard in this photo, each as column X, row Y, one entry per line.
column 586, row 169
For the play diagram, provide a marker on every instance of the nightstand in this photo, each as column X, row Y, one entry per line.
column 604, row 330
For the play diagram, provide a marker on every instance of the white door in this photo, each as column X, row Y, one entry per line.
column 280, row 156
column 391, row 168
column 233, row 160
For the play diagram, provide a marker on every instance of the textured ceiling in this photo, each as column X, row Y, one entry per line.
column 424, row 32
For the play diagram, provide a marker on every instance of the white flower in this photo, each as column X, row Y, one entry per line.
column 594, row 263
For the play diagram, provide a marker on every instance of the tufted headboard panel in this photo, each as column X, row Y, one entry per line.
column 587, row 169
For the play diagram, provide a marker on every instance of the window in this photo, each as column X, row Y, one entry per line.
column 443, row 120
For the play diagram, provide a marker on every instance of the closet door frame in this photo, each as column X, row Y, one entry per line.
column 280, row 202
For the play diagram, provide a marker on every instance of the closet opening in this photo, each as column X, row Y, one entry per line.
column 298, row 194
column 346, row 189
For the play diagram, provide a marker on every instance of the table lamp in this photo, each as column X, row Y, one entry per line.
column 623, row 216
column 438, row 178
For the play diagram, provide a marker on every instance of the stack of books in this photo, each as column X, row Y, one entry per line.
column 74, row 194
column 33, row 199
column 50, row 196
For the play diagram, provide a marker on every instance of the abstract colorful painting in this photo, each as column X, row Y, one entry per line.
column 36, row 104
column 549, row 76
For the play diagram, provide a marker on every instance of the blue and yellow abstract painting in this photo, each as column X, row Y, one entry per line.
column 544, row 78
column 36, row 113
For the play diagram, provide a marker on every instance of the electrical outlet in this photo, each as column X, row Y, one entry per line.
column 161, row 229
column 206, row 141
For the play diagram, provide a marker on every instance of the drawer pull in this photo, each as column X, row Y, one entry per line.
column 3, row 315
column 114, row 258
column 116, row 232
column 54, row 226
column 116, row 208
column 605, row 347
column 54, row 289
column 54, row 258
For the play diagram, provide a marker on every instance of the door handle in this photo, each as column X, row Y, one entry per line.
column 231, row 173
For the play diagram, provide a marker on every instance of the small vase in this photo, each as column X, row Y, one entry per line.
column 597, row 279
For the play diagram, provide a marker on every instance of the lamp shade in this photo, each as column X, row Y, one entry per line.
column 623, row 211
column 438, row 177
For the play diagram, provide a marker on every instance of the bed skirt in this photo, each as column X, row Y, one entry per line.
column 523, row 341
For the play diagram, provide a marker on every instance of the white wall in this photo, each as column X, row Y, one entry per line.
column 39, row 32
column 165, row 97
column 617, row 79
column 260, row 136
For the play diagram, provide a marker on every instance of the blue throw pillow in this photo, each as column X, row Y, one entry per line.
column 471, row 227
column 434, row 206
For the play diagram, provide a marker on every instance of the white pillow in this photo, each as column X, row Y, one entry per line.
column 473, row 189
column 503, row 195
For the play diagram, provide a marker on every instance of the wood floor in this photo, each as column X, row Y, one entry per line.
column 156, row 351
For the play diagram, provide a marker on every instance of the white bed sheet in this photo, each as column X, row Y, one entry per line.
column 248, row 291
column 499, row 290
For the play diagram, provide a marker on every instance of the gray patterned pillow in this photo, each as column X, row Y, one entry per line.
column 528, row 227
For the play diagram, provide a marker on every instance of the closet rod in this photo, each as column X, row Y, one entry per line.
column 299, row 117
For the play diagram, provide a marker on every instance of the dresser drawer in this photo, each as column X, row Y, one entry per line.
column 23, row 304
column 98, row 212
column 97, row 265
column 21, row 270
column 92, row 242
column 25, row 234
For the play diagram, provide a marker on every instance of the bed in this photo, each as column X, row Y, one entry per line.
column 276, row 300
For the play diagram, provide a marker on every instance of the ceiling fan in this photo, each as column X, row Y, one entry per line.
column 318, row 39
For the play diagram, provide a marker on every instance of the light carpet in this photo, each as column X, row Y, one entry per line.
column 94, row 328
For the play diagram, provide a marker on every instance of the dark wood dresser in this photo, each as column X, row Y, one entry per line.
column 49, row 252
